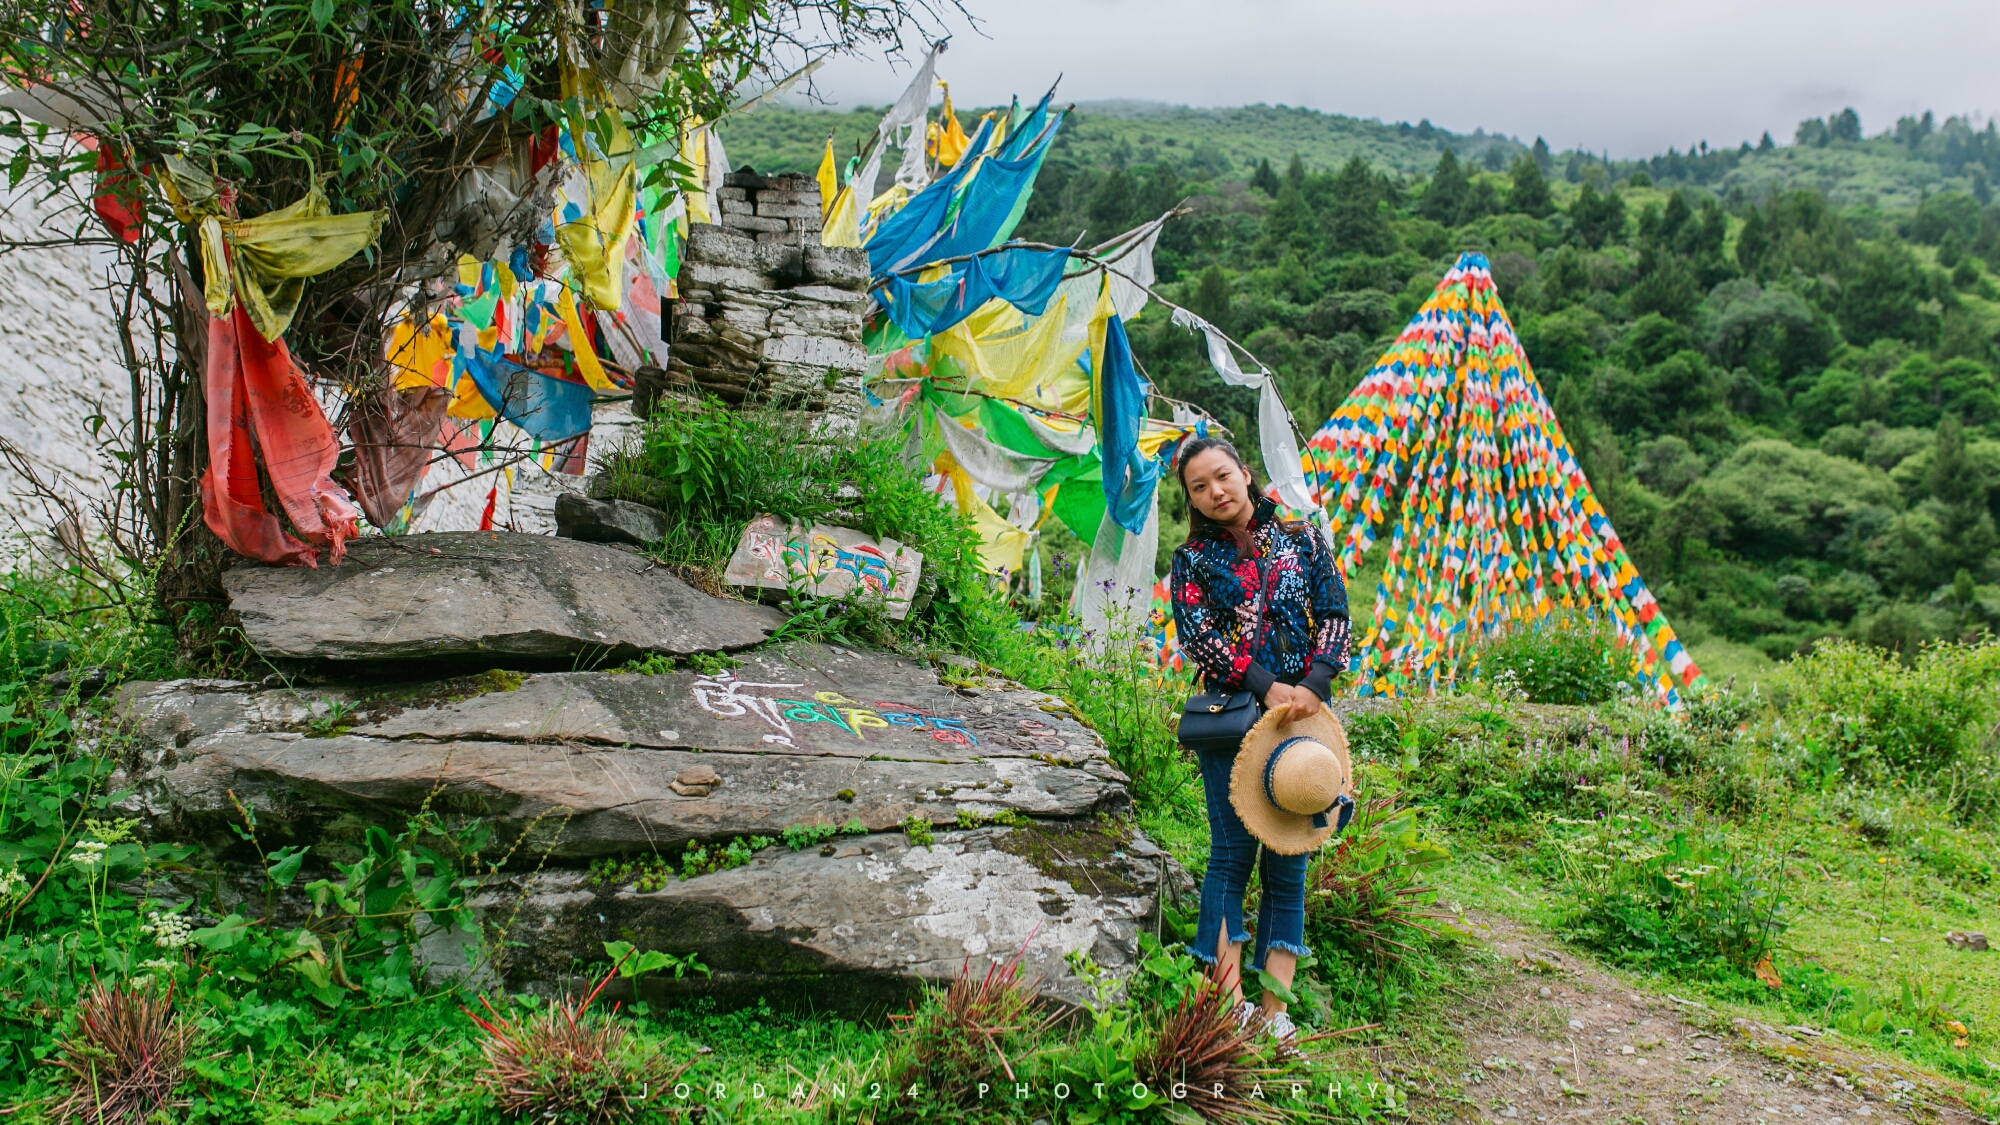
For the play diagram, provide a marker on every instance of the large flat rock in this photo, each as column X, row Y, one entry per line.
column 856, row 926
column 486, row 595
column 581, row 765
column 807, row 735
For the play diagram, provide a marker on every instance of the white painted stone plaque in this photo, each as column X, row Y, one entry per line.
column 825, row 561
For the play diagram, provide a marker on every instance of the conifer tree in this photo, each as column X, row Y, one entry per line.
column 1264, row 179
column 1445, row 196
column 1531, row 191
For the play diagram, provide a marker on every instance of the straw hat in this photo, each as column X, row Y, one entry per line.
column 1293, row 785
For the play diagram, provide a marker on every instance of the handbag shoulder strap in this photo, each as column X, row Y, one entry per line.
column 1263, row 586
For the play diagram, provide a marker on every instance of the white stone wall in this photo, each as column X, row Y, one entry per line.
column 58, row 360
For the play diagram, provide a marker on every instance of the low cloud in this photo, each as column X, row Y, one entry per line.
column 1631, row 79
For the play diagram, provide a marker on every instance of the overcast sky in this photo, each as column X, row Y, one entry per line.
column 1629, row 77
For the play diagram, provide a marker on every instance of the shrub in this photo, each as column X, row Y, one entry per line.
column 1578, row 768
column 1875, row 716
column 1365, row 896
column 1201, row 1044
column 962, row 1036
column 1684, row 901
column 566, row 1063
column 713, row 468
column 125, row 1057
column 1566, row 659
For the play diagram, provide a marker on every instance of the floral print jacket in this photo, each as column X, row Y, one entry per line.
column 1214, row 589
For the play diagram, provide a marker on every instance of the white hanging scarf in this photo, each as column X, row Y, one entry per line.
column 1274, row 429
column 1114, row 590
column 993, row 466
column 902, row 125
column 1134, row 261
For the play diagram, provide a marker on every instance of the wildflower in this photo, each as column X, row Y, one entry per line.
column 170, row 931
column 13, row 885
column 88, row 853
column 110, row 831
column 159, row 965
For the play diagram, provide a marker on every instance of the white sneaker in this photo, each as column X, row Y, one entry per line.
column 1245, row 1013
column 1280, row 1027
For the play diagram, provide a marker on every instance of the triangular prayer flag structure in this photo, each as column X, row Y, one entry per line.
column 1495, row 526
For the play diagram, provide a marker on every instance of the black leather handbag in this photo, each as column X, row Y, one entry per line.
column 1214, row 722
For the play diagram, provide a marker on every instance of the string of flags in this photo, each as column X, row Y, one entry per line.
column 1008, row 365
column 1451, row 444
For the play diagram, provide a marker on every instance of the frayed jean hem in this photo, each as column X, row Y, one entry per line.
column 1289, row 947
column 1209, row 958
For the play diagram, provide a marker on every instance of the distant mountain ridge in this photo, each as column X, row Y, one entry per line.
column 1227, row 141
column 1893, row 170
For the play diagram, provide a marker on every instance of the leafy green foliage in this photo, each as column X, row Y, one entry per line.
column 798, row 836
column 1566, row 659
column 630, row 963
column 1681, row 899
column 1874, row 719
column 1366, row 895
column 700, row 859
column 641, row 873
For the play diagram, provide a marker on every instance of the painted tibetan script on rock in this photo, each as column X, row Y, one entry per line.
column 826, row 561
column 723, row 695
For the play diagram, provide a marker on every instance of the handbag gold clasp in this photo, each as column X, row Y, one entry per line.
column 1214, row 707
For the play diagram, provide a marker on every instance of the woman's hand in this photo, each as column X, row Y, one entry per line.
column 1300, row 703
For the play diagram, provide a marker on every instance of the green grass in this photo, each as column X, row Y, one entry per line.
column 1723, row 661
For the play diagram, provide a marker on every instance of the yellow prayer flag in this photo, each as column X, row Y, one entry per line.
column 586, row 359
column 1001, row 544
column 420, row 357
column 594, row 246
column 466, row 401
column 843, row 221
column 1100, row 322
column 947, row 140
column 696, row 154
column 829, row 179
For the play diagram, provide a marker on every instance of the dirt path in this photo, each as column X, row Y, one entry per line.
column 1560, row 1039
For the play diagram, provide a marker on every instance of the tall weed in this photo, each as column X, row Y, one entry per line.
column 1367, row 895
column 1681, row 900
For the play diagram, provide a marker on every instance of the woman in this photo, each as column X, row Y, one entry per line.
column 1237, row 549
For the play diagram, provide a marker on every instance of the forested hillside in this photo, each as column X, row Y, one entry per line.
column 1776, row 361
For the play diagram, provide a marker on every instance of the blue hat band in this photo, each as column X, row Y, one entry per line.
column 1343, row 802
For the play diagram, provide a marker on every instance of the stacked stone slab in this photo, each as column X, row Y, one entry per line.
column 766, row 313
column 1032, row 850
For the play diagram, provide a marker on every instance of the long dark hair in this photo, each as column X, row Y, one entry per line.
column 1199, row 524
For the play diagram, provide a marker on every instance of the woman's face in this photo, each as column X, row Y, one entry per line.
column 1218, row 487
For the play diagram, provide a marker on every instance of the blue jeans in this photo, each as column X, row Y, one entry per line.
column 1281, row 909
